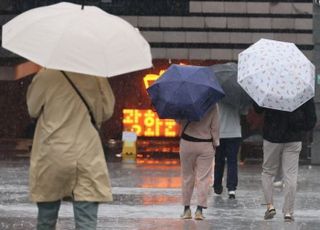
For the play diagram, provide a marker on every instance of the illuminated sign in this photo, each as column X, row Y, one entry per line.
column 147, row 123
column 150, row 78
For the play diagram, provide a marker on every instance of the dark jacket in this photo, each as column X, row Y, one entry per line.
column 282, row 127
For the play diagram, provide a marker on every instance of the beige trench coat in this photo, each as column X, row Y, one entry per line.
column 67, row 158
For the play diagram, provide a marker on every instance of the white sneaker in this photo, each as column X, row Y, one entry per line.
column 278, row 183
column 232, row 195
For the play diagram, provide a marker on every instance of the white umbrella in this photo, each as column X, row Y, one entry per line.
column 276, row 75
column 65, row 37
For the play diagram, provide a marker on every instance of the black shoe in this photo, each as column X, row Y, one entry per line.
column 288, row 218
column 218, row 190
column 269, row 214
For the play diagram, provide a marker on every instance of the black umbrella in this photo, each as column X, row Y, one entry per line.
column 234, row 93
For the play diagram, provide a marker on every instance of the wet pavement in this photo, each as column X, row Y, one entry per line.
column 148, row 196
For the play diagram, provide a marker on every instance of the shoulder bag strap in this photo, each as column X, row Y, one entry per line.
column 82, row 98
column 185, row 127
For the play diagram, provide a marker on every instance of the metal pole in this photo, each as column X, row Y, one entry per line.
column 315, row 146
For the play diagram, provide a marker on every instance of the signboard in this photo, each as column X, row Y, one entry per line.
column 145, row 122
column 129, row 136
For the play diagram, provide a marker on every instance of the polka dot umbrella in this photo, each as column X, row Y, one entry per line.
column 276, row 75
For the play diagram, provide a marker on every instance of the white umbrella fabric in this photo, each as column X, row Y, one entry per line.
column 65, row 37
column 276, row 75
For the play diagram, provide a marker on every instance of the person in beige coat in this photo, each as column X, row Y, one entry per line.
column 198, row 142
column 67, row 158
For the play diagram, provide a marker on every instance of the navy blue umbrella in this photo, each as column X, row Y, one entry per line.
column 185, row 92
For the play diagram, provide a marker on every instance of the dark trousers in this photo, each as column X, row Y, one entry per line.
column 228, row 149
column 85, row 214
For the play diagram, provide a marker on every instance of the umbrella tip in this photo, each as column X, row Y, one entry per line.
column 82, row 5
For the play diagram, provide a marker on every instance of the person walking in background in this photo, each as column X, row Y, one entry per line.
column 198, row 142
column 230, row 140
column 282, row 141
column 67, row 158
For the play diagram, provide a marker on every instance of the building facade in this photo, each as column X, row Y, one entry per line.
column 179, row 31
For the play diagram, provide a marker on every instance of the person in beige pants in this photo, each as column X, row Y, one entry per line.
column 282, row 141
column 197, row 148
column 288, row 155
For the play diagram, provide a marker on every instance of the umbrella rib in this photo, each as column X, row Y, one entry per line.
column 195, row 73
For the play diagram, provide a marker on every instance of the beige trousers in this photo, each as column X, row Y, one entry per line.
column 290, row 164
column 196, row 169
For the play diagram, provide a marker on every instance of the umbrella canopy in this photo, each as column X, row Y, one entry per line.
column 234, row 93
column 65, row 37
column 276, row 75
column 185, row 92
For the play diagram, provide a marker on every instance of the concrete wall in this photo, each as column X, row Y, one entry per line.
column 219, row 30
